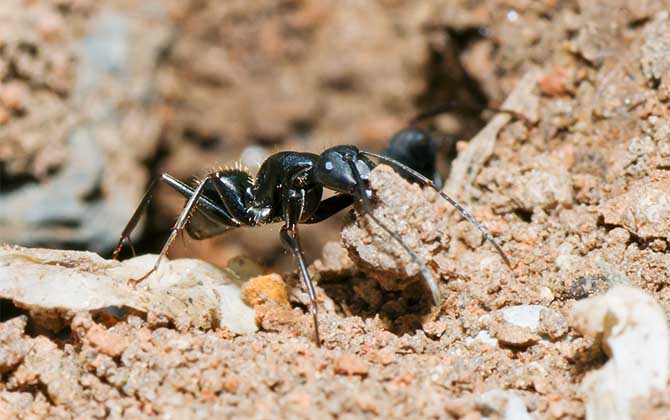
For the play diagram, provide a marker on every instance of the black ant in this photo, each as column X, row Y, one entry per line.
column 288, row 189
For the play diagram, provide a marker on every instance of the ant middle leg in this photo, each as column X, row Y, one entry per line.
column 289, row 236
column 293, row 202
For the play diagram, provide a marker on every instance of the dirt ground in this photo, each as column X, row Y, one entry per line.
column 574, row 186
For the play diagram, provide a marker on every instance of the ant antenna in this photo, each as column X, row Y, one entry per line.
column 462, row 210
column 428, row 277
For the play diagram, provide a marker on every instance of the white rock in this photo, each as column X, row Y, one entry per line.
column 527, row 316
column 506, row 404
column 635, row 337
column 484, row 337
column 189, row 292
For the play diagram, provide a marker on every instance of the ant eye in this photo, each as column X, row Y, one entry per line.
column 329, row 166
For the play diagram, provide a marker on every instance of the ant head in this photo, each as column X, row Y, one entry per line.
column 335, row 169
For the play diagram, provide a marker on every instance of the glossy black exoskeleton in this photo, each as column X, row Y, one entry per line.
column 288, row 189
column 415, row 148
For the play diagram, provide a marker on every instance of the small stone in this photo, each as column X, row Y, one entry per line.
column 435, row 328
column 658, row 245
column 96, row 336
column 586, row 286
column 556, row 82
column 506, row 404
column 277, row 318
column 13, row 345
column 231, row 384
column 511, row 335
column 618, row 236
column 516, row 326
column 4, row 115
column 644, row 210
column 552, row 324
column 259, row 290
column 383, row 356
column 349, row 365
column 411, row 213
column 542, row 385
column 335, row 259
column 106, row 342
column 13, row 95
column 527, row 316
column 543, row 189
column 654, row 60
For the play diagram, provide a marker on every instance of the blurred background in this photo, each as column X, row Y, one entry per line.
column 98, row 97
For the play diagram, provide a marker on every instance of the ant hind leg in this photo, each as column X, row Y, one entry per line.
column 135, row 218
column 179, row 225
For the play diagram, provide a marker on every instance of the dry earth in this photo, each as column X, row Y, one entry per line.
column 576, row 191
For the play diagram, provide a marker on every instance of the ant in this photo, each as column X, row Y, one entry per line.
column 288, row 189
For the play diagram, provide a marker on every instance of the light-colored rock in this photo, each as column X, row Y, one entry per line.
column 552, row 324
column 511, row 335
column 483, row 337
column 543, row 189
column 505, row 404
column 512, row 326
column 655, row 61
column 644, row 210
column 54, row 284
column 635, row 337
column 527, row 316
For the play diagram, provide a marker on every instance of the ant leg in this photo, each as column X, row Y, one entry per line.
column 211, row 220
column 177, row 185
column 293, row 203
column 329, row 207
column 289, row 236
column 179, row 225
column 132, row 223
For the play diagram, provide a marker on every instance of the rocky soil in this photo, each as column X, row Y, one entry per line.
column 574, row 185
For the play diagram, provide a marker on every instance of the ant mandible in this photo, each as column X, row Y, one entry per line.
column 288, row 189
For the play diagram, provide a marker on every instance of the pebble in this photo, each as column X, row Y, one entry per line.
column 350, row 365
column 527, row 316
column 512, row 335
column 644, row 210
column 542, row 189
column 552, row 324
column 259, row 290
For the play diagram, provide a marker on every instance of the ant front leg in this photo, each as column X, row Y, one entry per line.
column 293, row 205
